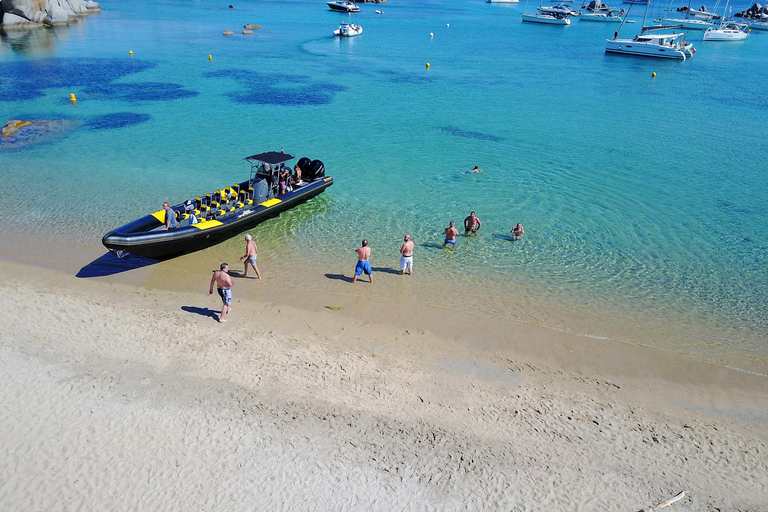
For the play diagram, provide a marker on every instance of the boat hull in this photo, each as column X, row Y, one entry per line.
column 142, row 236
column 629, row 47
column 602, row 18
column 343, row 8
column 715, row 35
column 546, row 20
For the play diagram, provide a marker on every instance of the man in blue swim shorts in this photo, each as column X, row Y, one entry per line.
column 363, row 262
column 450, row 235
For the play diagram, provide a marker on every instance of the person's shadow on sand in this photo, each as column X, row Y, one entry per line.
column 201, row 311
column 235, row 274
column 339, row 277
column 384, row 270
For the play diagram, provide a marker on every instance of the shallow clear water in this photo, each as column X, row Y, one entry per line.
column 643, row 199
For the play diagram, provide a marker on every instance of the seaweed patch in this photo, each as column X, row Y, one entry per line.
column 140, row 91
column 268, row 89
column 28, row 79
column 469, row 135
column 117, row 120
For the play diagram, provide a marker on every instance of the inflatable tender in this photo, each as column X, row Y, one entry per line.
column 214, row 217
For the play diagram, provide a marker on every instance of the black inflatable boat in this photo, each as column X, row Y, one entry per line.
column 212, row 218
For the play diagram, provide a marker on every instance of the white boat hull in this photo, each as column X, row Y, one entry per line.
column 545, row 19
column 718, row 35
column 348, row 31
column 690, row 24
column 761, row 25
column 502, row 1
column 630, row 47
column 601, row 17
column 343, row 6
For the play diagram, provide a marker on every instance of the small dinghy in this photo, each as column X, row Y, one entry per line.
column 214, row 217
column 348, row 30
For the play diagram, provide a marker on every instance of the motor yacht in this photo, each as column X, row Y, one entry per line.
column 343, row 6
column 546, row 18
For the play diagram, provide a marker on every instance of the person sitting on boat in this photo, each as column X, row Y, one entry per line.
column 170, row 217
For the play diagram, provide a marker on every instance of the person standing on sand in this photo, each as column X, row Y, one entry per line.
column 251, row 253
column 406, row 255
column 363, row 262
column 472, row 224
column 450, row 235
column 224, row 287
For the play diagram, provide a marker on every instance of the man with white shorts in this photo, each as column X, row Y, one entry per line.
column 406, row 255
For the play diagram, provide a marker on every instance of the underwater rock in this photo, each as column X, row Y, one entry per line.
column 13, row 126
column 251, row 26
column 247, row 32
column 228, row 33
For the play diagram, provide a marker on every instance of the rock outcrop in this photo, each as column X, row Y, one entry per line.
column 36, row 13
column 13, row 126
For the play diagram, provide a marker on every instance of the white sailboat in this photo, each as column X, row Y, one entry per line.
column 691, row 23
column 605, row 17
column 547, row 18
column 650, row 44
column 727, row 31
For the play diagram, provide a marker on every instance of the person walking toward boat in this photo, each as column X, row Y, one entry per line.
column 450, row 235
column 406, row 255
column 518, row 231
column 224, row 287
column 472, row 224
column 363, row 262
column 170, row 217
column 251, row 253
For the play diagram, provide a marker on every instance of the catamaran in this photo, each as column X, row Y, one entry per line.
column 650, row 44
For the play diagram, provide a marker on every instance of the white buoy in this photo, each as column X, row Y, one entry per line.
column 448, row 25
column 431, row 34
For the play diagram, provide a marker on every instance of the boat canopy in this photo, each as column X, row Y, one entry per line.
column 270, row 157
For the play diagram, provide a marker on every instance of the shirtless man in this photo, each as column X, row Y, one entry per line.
column 251, row 253
column 224, row 287
column 450, row 235
column 363, row 262
column 170, row 218
column 406, row 255
column 472, row 224
column 475, row 170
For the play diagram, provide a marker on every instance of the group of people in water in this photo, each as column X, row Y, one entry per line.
column 223, row 280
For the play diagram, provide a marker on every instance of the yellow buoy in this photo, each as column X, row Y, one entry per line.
column 130, row 52
column 210, row 57
column 427, row 64
column 653, row 74
column 72, row 98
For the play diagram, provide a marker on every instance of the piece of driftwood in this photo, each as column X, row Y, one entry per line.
column 663, row 504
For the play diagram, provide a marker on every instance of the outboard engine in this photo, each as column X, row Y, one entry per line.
column 303, row 163
column 316, row 169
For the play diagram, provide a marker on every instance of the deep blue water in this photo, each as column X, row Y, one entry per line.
column 643, row 199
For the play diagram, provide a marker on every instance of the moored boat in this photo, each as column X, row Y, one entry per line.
column 727, row 31
column 604, row 17
column 343, row 6
column 214, row 217
column 546, row 18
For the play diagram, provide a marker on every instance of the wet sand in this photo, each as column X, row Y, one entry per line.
column 122, row 392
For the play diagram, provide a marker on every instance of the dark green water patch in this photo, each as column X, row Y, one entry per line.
column 271, row 89
column 141, row 91
column 117, row 120
column 28, row 79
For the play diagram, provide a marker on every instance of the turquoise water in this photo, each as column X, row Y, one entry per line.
column 643, row 199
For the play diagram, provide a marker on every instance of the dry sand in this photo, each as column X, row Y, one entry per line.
column 118, row 397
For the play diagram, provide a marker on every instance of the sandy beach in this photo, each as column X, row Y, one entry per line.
column 123, row 397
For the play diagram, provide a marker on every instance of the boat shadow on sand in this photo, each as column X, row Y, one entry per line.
column 110, row 264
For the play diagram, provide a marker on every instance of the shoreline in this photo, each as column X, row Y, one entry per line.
column 295, row 405
column 706, row 384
